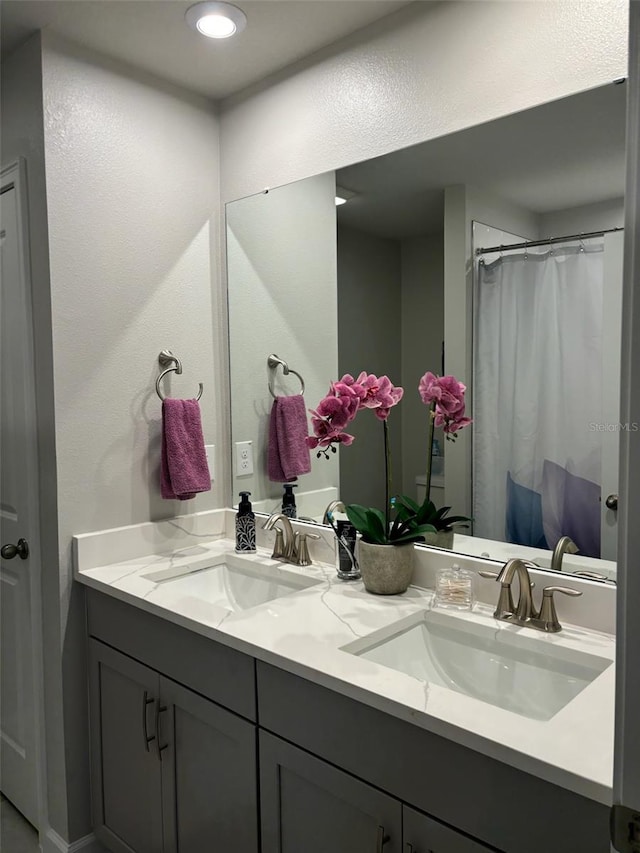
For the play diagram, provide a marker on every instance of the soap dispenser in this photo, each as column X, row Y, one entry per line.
column 289, row 501
column 245, row 526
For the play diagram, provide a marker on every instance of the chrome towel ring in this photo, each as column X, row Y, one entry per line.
column 169, row 361
column 273, row 363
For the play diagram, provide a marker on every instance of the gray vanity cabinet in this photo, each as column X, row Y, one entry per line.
column 423, row 835
column 308, row 805
column 172, row 772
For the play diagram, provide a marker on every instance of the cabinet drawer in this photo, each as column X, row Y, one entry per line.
column 422, row 834
column 221, row 674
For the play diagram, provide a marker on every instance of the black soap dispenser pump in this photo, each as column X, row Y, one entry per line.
column 289, row 501
column 245, row 526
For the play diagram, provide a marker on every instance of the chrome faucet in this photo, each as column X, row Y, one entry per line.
column 525, row 612
column 329, row 510
column 564, row 545
column 505, row 609
column 284, row 547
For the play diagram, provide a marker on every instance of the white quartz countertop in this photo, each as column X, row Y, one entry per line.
column 305, row 632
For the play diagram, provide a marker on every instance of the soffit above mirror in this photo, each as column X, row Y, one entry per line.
column 560, row 155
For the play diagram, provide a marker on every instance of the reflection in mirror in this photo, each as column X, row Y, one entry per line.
column 392, row 282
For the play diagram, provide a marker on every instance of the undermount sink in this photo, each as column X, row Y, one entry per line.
column 228, row 581
column 519, row 673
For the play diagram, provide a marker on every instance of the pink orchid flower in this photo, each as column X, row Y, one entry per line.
column 345, row 399
column 379, row 394
column 446, row 396
column 338, row 410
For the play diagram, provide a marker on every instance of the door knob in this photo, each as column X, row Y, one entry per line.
column 21, row 550
column 612, row 502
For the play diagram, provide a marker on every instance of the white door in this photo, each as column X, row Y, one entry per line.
column 18, row 509
column 611, row 331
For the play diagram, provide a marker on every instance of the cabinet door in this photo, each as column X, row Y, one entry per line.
column 424, row 835
column 308, row 806
column 125, row 770
column 209, row 777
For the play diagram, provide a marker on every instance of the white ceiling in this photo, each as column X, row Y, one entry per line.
column 560, row 155
column 152, row 35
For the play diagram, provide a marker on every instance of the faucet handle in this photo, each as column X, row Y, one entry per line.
column 489, row 575
column 593, row 576
column 565, row 590
column 301, row 550
column 548, row 615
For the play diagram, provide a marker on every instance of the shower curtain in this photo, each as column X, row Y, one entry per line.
column 537, row 401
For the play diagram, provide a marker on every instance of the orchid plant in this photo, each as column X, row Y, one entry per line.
column 329, row 420
column 444, row 396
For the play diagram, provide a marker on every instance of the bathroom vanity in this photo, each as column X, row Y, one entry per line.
column 271, row 727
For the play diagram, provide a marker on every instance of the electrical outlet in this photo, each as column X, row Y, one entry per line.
column 210, row 450
column 244, row 458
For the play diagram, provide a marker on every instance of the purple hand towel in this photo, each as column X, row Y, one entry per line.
column 184, row 471
column 288, row 455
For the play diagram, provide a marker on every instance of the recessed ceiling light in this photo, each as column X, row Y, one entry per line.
column 343, row 195
column 216, row 20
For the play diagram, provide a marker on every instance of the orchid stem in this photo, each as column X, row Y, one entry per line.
column 432, row 414
column 387, row 479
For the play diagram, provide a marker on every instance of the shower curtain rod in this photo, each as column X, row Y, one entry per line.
column 530, row 243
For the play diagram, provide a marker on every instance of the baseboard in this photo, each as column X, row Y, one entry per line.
column 51, row 842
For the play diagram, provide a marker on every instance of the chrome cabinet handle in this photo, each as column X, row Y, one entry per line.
column 159, row 710
column 146, row 701
column 381, row 839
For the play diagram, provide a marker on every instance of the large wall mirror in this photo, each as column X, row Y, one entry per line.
column 494, row 254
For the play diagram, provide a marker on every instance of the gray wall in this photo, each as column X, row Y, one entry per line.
column 588, row 217
column 422, row 336
column 369, row 318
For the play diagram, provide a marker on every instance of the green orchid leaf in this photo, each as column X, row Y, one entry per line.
column 424, row 528
column 408, row 538
column 376, row 532
column 369, row 522
column 442, row 512
column 407, row 503
column 357, row 515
